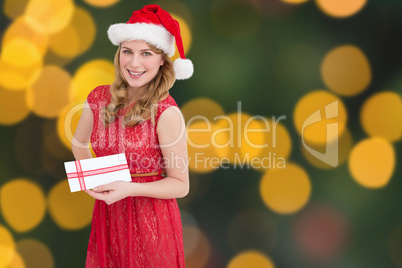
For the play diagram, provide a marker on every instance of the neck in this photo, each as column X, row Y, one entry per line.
column 134, row 94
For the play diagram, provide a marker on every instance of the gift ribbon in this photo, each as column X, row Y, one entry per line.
column 81, row 174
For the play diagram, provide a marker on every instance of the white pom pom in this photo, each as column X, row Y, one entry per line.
column 183, row 69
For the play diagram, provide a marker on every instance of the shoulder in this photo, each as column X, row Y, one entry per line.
column 168, row 107
column 98, row 94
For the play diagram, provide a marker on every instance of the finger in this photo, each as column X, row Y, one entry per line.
column 100, row 196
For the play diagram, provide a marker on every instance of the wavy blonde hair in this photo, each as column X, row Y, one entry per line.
column 145, row 107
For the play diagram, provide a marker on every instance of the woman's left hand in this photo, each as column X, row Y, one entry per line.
column 110, row 193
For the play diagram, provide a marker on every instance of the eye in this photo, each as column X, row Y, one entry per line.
column 146, row 54
column 127, row 51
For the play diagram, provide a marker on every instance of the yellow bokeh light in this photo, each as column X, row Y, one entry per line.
column 20, row 29
column 77, row 37
column 285, row 190
column 22, row 204
column 341, row 8
column 372, row 162
column 7, row 247
column 101, row 3
column 185, row 36
column 266, row 142
column 381, row 116
column 16, row 78
column 345, row 144
column 201, row 107
column 70, row 211
column 67, row 122
column 346, row 71
column 294, row 1
column 90, row 75
column 13, row 108
column 199, row 256
column 21, row 53
column 251, row 258
column 16, row 262
column 201, row 152
column 48, row 16
column 320, row 117
column 50, row 92
column 35, row 253
column 14, row 8
column 229, row 138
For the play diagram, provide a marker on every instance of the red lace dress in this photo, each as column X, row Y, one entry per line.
column 135, row 231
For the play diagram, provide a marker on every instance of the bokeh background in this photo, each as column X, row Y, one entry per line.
column 253, row 59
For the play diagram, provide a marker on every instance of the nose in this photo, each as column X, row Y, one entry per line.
column 135, row 60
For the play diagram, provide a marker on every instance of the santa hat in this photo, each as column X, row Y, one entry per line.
column 157, row 27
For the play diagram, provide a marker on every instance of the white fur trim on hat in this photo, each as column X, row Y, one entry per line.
column 151, row 33
column 183, row 68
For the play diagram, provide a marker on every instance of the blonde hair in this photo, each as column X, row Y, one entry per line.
column 145, row 107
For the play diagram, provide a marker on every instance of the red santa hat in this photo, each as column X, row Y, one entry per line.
column 157, row 27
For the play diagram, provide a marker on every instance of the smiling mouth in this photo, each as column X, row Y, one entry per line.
column 136, row 73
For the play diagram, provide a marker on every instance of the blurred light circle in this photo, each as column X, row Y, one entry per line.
column 70, row 211
column 372, row 162
column 50, row 92
column 295, row 1
column 14, row 8
column 285, row 190
column 201, row 152
column 199, row 255
column 17, row 78
column 381, row 116
column 35, row 253
column 20, row 53
column 76, row 37
column 201, row 107
column 20, row 29
column 235, row 19
column 13, row 108
column 317, row 110
column 185, row 36
column 345, row 144
column 48, row 16
column 22, row 204
column 7, row 247
column 321, row 234
column 191, row 237
column 228, row 138
column 266, row 142
column 17, row 261
column 340, row 8
column 252, row 228
column 251, row 258
column 67, row 122
column 346, row 71
column 90, row 75
column 101, row 3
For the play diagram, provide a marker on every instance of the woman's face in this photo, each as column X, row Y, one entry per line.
column 138, row 63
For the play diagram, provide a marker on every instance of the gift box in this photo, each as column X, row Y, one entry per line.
column 89, row 173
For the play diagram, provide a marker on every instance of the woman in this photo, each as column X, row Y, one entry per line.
column 137, row 224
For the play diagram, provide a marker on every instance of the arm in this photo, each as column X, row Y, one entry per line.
column 172, row 139
column 82, row 135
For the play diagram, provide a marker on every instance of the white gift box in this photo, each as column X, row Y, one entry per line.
column 89, row 173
